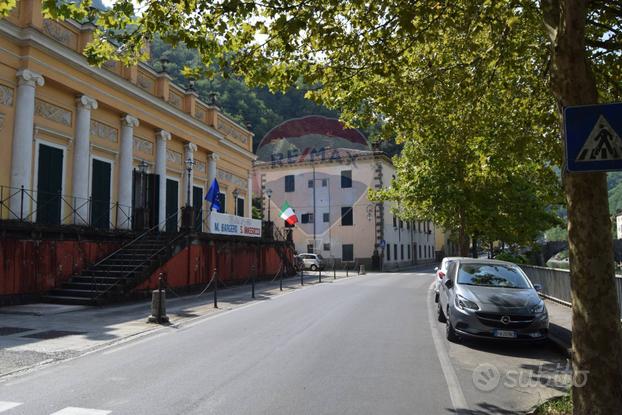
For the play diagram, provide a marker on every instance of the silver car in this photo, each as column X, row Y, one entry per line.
column 490, row 299
column 312, row 261
column 441, row 272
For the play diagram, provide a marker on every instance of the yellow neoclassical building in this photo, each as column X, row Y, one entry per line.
column 89, row 146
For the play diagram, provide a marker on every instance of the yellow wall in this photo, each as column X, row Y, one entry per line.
column 121, row 94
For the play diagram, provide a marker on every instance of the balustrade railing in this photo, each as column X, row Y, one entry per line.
column 48, row 208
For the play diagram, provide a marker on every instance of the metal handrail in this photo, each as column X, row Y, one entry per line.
column 136, row 239
column 75, row 205
column 167, row 246
column 139, row 237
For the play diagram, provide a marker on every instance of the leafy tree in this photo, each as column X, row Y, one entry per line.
column 556, row 233
column 376, row 58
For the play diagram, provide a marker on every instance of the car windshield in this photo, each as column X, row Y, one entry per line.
column 491, row 275
column 319, row 257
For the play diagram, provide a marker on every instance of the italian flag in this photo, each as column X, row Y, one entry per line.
column 287, row 214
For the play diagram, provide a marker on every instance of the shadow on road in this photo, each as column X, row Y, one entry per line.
column 517, row 349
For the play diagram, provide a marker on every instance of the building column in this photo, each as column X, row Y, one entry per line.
column 124, row 211
column 211, row 168
column 189, row 149
column 21, row 155
column 160, row 169
column 81, row 152
column 249, row 195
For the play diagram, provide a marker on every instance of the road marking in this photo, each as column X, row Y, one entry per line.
column 5, row 406
column 455, row 391
column 70, row 410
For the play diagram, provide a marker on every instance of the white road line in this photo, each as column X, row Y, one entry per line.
column 70, row 410
column 5, row 406
column 455, row 391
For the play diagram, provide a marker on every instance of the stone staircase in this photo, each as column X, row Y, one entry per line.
column 112, row 278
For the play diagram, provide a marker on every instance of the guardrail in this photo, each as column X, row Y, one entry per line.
column 555, row 283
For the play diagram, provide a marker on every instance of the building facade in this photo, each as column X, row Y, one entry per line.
column 324, row 172
column 92, row 146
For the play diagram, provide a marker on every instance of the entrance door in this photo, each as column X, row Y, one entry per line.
column 49, row 185
column 100, row 194
column 172, row 205
column 197, row 203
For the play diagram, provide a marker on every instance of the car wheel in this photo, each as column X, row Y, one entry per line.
column 313, row 267
column 450, row 332
column 441, row 315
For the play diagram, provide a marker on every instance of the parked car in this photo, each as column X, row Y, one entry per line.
column 441, row 272
column 490, row 299
column 312, row 261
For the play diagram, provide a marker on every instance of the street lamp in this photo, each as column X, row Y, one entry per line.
column 269, row 194
column 236, row 193
column 189, row 163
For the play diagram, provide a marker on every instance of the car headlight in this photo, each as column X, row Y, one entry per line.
column 538, row 308
column 462, row 303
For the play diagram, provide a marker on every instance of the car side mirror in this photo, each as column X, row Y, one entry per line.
column 537, row 287
column 449, row 283
column 435, row 269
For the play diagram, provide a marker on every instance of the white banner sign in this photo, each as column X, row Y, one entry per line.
column 234, row 225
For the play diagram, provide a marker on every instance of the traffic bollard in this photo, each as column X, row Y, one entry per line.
column 347, row 267
column 302, row 276
column 215, row 289
column 334, row 272
column 281, row 280
column 158, row 304
column 320, row 275
column 253, row 286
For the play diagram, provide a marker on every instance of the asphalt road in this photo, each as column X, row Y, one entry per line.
column 364, row 345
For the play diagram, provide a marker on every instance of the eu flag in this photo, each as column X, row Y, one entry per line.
column 212, row 196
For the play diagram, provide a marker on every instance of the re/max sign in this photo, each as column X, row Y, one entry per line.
column 294, row 156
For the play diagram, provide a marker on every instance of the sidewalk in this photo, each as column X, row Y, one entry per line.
column 560, row 325
column 36, row 334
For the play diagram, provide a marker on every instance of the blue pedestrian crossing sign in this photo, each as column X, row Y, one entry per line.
column 593, row 137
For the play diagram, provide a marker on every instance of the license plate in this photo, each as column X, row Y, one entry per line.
column 505, row 333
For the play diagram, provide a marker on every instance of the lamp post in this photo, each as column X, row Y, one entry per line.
column 187, row 221
column 189, row 163
column 269, row 194
column 236, row 193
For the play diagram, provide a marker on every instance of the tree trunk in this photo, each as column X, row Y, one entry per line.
column 596, row 337
column 474, row 246
column 463, row 242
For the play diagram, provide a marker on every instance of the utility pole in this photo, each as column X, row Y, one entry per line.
column 314, row 213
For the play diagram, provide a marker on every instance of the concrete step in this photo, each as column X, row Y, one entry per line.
column 62, row 292
column 59, row 299
column 99, row 286
column 99, row 279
